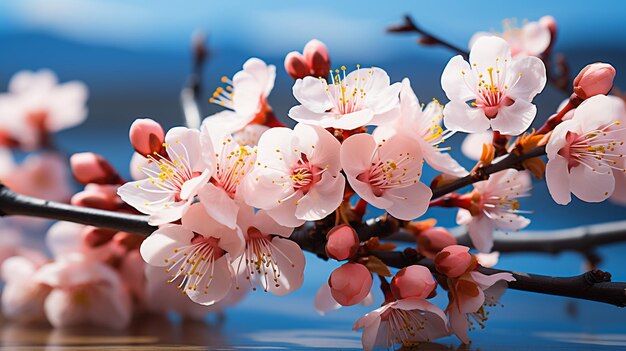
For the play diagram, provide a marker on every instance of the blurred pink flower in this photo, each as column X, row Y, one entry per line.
column 495, row 91
column 173, row 180
column 585, row 152
column 22, row 297
column 270, row 260
column 44, row 175
column 197, row 255
column 84, row 291
column 386, row 173
column 36, row 104
column 532, row 39
column 362, row 97
column 297, row 177
column 495, row 205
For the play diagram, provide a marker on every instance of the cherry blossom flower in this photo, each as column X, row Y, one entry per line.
column 250, row 135
column 44, row 175
column 585, row 152
column 494, row 91
column 245, row 96
column 84, row 291
column 222, row 195
column 297, row 176
column 173, row 179
column 425, row 127
column 386, row 173
column 197, row 254
column 495, row 205
column 270, row 260
column 36, row 104
column 22, row 297
column 532, row 39
column 362, row 97
column 469, row 296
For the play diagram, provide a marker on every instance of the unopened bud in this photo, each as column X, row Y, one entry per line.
column 342, row 242
column 316, row 56
column 594, row 79
column 296, row 65
column 413, row 281
column 350, row 283
column 146, row 136
column 88, row 167
column 454, row 260
column 433, row 240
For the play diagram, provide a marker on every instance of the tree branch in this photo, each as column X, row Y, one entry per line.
column 594, row 285
column 510, row 161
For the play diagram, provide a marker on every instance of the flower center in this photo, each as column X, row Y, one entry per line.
column 403, row 326
column 346, row 95
column 194, row 262
column 304, row 174
column 234, row 162
column 398, row 172
column 260, row 260
column 492, row 94
column 594, row 149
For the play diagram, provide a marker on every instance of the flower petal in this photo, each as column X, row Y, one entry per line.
column 514, row 119
column 558, row 179
column 219, row 205
column 160, row 245
column 453, row 80
column 459, row 116
column 526, row 78
column 591, row 186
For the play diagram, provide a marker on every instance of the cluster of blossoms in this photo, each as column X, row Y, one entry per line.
column 226, row 198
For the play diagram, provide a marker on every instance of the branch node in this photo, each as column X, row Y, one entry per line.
column 597, row 276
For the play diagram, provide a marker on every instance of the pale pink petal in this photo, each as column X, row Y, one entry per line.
column 221, row 124
column 514, row 119
column 356, row 153
column 481, row 233
column 64, row 238
column 321, row 147
column 370, row 333
column 409, row 202
column 311, row 93
column 453, row 80
column 172, row 213
column 472, row 145
column 281, row 139
column 213, row 286
column 599, row 111
column 486, row 50
column 488, row 259
column 266, row 224
column 160, row 245
column 463, row 216
column 322, row 199
column 61, row 311
column 184, row 144
column 354, row 120
column 459, row 325
column 259, row 188
column 558, row 139
column 477, row 36
column 441, row 161
column 301, row 114
column 536, row 38
column 219, row 205
column 109, row 306
column 386, row 99
column 526, row 79
column 459, row 116
column 264, row 74
column 191, row 187
column 289, row 259
column 23, row 81
column 485, row 281
column 67, row 106
column 619, row 195
column 324, row 301
column 558, row 179
column 284, row 213
column 247, row 93
column 591, row 186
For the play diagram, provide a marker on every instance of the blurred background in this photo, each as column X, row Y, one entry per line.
column 135, row 57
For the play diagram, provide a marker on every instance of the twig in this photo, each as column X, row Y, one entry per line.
column 427, row 37
column 191, row 92
column 510, row 161
column 594, row 285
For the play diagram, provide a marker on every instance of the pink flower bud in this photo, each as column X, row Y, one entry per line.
column 88, row 167
column 413, row 281
column 342, row 243
column 94, row 237
column 296, row 66
column 550, row 23
column 95, row 198
column 316, row 56
column 454, row 260
column 433, row 240
column 350, row 283
column 146, row 136
column 594, row 79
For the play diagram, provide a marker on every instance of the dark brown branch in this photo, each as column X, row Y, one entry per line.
column 427, row 38
column 510, row 161
column 594, row 286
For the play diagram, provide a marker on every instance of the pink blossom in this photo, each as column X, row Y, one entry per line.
column 532, row 39
column 386, row 173
column 222, row 195
column 297, row 176
column 84, row 291
column 594, row 79
column 494, row 91
column 36, row 104
column 173, row 180
column 22, row 297
column 454, row 260
column 270, row 260
column 197, row 255
column 413, row 281
column 350, row 283
column 245, row 96
column 495, row 205
column 44, row 175
column 350, row 101
column 250, row 135
column 423, row 125
column 146, row 136
column 405, row 322
column 342, row 242
column 585, row 152
column 469, row 295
